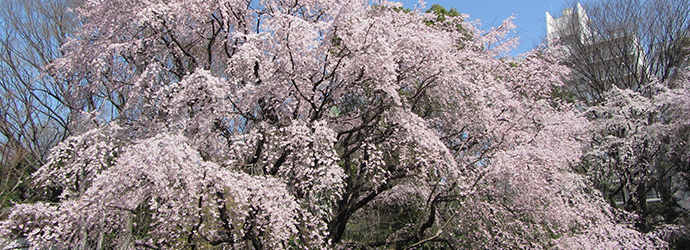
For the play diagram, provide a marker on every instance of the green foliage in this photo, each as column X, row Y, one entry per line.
column 441, row 12
column 15, row 184
column 396, row 9
column 399, row 9
column 380, row 222
column 559, row 92
column 443, row 21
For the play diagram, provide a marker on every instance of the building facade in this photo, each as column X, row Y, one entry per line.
column 599, row 59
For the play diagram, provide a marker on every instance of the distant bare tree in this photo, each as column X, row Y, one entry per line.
column 35, row 113
column 626, row 43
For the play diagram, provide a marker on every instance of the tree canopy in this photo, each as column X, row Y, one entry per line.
column 312, row 124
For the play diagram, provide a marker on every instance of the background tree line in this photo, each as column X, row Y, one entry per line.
column 36, row 110
column 626, row 57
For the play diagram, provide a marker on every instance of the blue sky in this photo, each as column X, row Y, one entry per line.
column 530, row 15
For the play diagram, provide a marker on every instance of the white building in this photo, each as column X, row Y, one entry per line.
column 599, row 60
column 570, row 28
